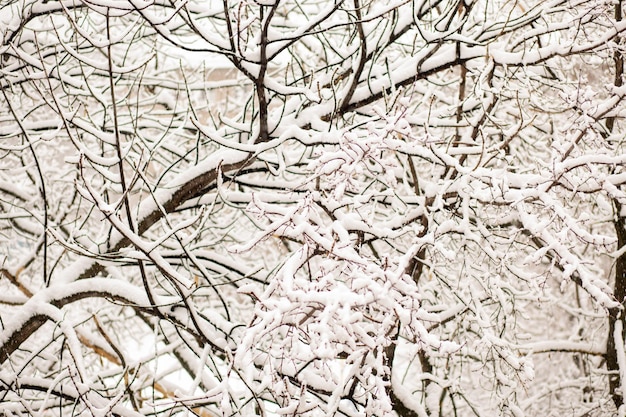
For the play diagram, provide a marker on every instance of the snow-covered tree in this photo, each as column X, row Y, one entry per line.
column 312, row 207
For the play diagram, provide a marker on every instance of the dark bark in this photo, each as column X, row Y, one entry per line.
column 619, row 290
column 617, row 314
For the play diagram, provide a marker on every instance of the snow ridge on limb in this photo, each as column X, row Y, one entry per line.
column 37, row 310
column 168, row 198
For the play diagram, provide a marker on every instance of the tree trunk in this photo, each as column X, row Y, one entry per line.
column 617, row 314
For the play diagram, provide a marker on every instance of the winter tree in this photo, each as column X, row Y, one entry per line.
column 312, row 207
